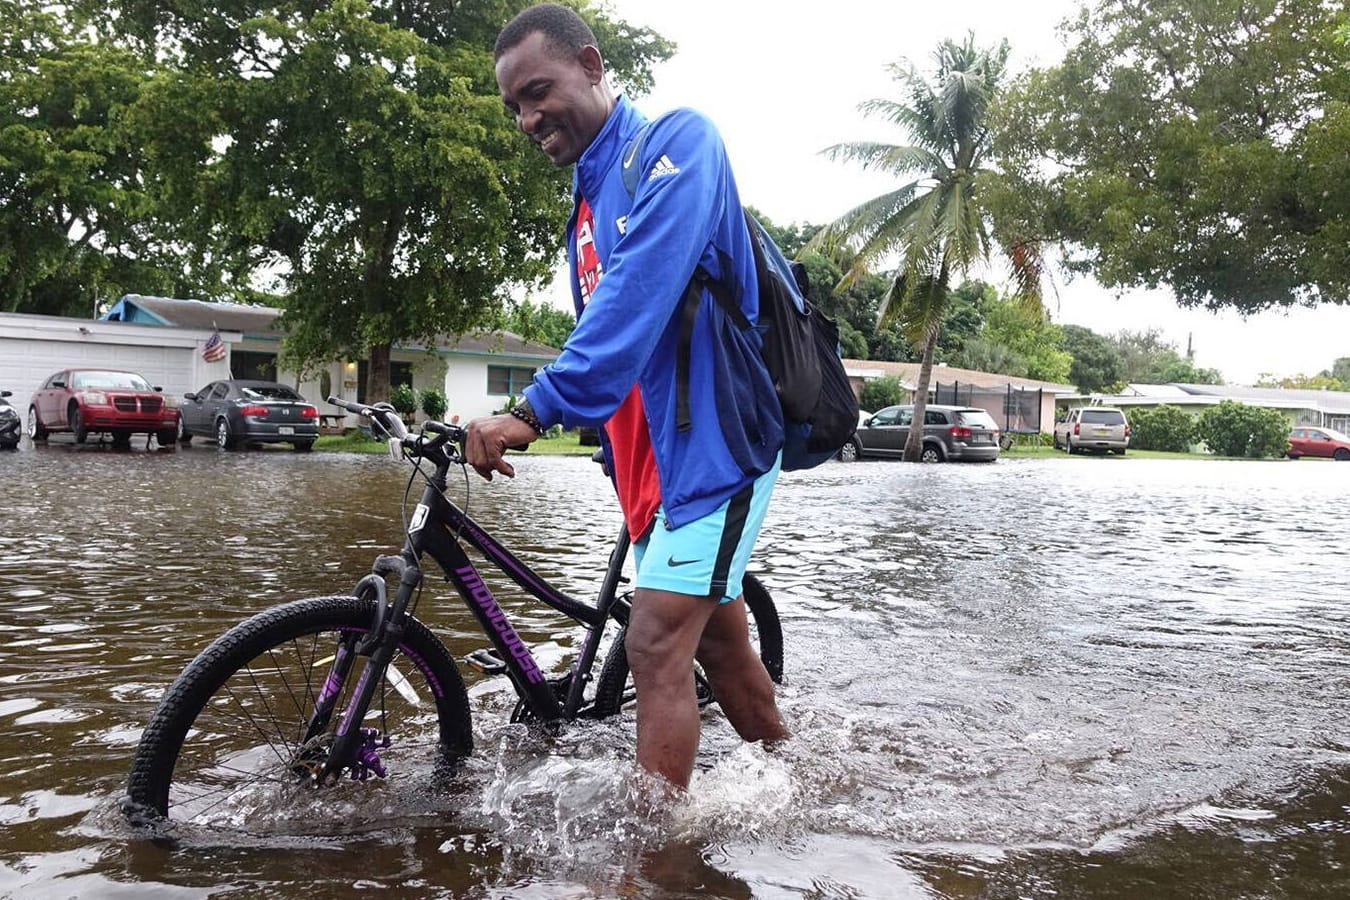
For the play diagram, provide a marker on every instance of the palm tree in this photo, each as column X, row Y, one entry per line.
column 935, row 222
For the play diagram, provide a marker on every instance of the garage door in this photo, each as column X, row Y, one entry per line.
column 25, row 364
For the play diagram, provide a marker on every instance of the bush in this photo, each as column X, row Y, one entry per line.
column 1236, row 429
column 433, row 403
column 1164, row 427
column 404, row 399
column 881, row 392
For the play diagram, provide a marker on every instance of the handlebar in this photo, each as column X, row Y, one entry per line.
column 391, row 423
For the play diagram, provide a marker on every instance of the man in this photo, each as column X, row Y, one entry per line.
column 693, row 478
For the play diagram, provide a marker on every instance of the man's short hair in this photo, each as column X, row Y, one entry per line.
column 563, row 28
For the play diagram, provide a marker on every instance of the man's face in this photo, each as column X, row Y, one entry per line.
column 559, row 100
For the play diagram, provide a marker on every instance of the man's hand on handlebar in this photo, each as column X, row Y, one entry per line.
column 488, row 439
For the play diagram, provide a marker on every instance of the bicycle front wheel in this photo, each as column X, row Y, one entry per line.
column 614, row 688
column 227, row 743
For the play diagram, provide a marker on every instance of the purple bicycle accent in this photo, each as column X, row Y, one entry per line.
column 368, row 760
column 483, row 597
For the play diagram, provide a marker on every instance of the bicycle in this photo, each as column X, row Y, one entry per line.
column 343, row 687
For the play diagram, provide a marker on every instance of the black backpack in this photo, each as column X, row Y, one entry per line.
column 800, row 344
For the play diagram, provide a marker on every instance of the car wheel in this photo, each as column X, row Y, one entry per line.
column 36, row 430
column 930, row 454
column 1068, row 445
column 224, row 440
column 77, row 424
column 1293, row 456
column 850, row 452
column 184, row 436
column 1055, row 440
column 1341, row 454
column 168, row 438
column 303, row 446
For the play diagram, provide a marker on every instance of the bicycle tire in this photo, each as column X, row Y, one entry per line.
column 614, row 689
column 229, row 725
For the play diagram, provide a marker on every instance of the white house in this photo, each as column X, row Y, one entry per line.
column 163, row 339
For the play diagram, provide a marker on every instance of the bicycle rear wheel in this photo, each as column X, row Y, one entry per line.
column 614, row 687
column 226, row 743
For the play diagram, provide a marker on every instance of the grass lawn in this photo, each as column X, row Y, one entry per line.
column 353, row 441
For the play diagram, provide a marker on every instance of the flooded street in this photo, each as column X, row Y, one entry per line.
column 1052, row 677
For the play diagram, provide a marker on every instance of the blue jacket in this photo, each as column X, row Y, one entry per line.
column 686, row 212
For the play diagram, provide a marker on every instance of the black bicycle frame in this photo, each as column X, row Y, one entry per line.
column 436, row 529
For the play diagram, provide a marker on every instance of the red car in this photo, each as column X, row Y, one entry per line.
column 84, row 401
column 1309, row 440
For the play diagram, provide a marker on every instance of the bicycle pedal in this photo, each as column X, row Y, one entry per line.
column 486, row 661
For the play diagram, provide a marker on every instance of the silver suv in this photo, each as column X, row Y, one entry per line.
column 949, row 432
column 1099, row 428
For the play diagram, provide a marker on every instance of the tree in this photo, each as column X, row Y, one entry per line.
column 1200, row 146
column 1149, row 359
column 936, row 222
column 1029, row 335
column 76, row 213
column 878, row 393
column 540, row 322
column 1097, row 365
column 359, row 160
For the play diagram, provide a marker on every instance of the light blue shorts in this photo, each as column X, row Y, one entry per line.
column 706, row 557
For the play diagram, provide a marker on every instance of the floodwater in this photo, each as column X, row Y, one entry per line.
column 1087, row 677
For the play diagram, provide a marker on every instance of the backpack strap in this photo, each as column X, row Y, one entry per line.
column 693, row 292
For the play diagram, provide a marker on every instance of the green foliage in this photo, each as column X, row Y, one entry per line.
column 1148, row 359
column 351, row 161
column 1196, row 145
column 1236, row 429
column 404, row 399
column 1097, row 366
column 540, row 322
column 433, row 403
column 77, row 223
column 879, row 393
column 1028, row 334
column 1163, row 427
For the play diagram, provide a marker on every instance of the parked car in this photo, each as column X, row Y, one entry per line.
column 88, row 401
column 1099, row 428
column 949, row 432
column 1310, row 440
column 10, row 423
column 250, row 412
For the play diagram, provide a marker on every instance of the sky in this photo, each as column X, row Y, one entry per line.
column 783, row 81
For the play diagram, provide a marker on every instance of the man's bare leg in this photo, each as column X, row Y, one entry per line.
column 663, row 634
column 738, row 677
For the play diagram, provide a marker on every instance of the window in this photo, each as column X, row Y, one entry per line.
column 399, row 373
column 934, row 417
column 1102, row 417
column 885, row 417
column 219, row 391
column 510, row 380
column 975, row 418
column 253, row 366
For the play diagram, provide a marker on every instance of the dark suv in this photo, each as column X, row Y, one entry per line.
column 949, row 432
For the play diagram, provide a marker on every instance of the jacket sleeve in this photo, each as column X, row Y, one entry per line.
column 670, row 226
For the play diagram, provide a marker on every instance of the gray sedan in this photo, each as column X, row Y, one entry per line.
column 237, row 413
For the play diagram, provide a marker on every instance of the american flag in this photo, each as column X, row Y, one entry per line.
column 214, row 351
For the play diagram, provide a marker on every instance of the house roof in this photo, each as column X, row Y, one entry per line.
column 262, row 320
column 1333, row 402
column 909, row 374
column 200, row 313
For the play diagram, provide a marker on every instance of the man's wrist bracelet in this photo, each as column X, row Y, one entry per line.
column 526, row 415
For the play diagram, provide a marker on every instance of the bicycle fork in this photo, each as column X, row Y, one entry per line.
column 352, row 745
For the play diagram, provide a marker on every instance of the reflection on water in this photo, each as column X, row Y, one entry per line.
column 1057, row 677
